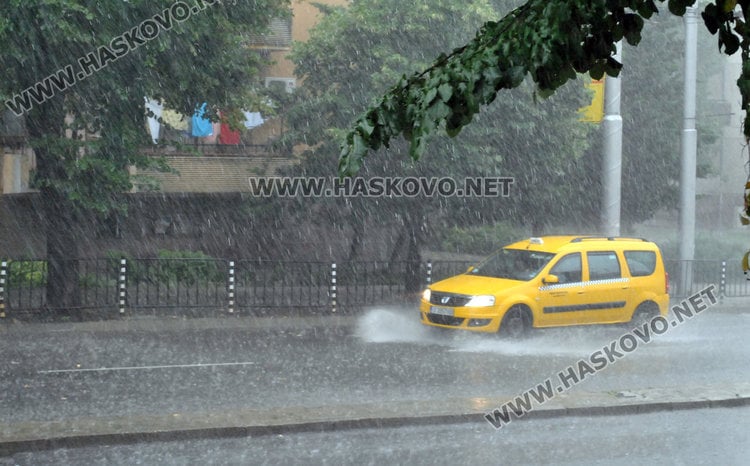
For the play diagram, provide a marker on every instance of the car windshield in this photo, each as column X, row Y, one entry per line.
column 514, row 264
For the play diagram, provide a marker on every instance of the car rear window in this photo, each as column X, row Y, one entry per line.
column 640, row 263
column 603, row 265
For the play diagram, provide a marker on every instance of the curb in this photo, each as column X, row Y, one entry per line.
column 281, row 421
column 172, row 324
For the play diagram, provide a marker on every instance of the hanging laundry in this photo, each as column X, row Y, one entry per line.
column 253, row 119
column 216, row 132
column 174, row 119
column 228, row 136
column 153, row 121
column 201, row 127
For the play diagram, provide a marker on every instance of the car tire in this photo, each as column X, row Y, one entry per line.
column 516, row 323
column 644, row 313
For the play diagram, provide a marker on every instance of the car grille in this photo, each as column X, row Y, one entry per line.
column 445, row 320
column 448, row 300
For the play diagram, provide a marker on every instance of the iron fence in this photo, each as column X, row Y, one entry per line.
column 689, row 277
column 25, row 284
column 182, row 285
column 736, row 283
column 188, row 286
column 263, row 286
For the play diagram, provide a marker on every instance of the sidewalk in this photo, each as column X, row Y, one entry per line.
column 77, row 432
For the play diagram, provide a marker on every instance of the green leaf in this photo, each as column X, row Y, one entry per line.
column 647, row 8
column 677, row 7
column 446, row 91
column 633, row 25
column 711, row 19
column 438, row 111
column 730, row 42
column 598, row 69
column 365, row 127
column 430, row 95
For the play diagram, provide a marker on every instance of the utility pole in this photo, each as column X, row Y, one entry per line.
column 689, row 144
column 612, row 163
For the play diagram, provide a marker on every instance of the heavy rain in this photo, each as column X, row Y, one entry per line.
column 254, row 232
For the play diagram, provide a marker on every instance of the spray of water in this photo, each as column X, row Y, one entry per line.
column 393, row 325
column 400, row 325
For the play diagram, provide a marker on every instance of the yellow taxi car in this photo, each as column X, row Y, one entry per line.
column 553, row 281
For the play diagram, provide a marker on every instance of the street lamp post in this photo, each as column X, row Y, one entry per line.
column 612, row 163
column 689, row 143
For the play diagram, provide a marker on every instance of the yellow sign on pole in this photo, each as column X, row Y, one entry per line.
column 594, row 113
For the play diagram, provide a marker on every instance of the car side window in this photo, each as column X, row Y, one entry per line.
column 640, row 263
column 603, row 265
column 568, row 269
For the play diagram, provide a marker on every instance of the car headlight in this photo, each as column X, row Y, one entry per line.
column 426, row 295
column 481, row 301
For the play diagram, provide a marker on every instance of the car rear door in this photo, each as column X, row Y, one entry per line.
column 606, row 289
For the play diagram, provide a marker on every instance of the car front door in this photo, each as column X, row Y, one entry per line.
column 560, row 303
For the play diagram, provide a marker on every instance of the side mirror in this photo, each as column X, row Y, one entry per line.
column 471, row 267
column 550, row 280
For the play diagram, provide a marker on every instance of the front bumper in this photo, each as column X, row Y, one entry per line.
column 484, row 319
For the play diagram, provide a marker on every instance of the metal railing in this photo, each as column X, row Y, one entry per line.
column 262, row 286
column 689, row 277
column 181, row 286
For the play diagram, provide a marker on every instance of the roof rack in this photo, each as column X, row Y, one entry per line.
column 608, row 238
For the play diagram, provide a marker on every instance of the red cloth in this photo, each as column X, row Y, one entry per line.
column 227, row 136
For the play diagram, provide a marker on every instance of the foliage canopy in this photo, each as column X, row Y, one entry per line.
column 552, row 41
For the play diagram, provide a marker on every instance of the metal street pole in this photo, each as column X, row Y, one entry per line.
column 689, row 143
column 612, row 163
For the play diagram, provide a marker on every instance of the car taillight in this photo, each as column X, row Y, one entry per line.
column 666, row 282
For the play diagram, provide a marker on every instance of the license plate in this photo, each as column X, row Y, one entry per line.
column 442, row 311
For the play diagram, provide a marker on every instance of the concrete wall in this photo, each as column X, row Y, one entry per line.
column 213, row 174
column 223, row 225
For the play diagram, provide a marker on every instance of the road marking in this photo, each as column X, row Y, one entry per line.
column 137, row 368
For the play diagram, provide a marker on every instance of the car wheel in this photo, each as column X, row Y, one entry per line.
column 644, row 313
column 516, row 323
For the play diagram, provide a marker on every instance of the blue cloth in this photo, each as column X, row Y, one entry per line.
column 202, row 127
